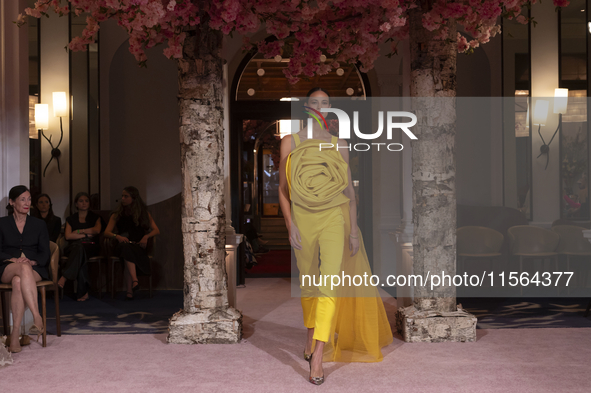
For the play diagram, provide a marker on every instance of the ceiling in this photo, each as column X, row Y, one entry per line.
column 273, row 84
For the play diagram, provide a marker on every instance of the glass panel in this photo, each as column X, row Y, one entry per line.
column 270, row 177
column 574, row 158
column 34, row 141
column 516, row 132
column 573, row 46
column 574, row 135
column 523, row 152
column 260, row 165
column 93, row 127
column 79, row 123
column 84, row 132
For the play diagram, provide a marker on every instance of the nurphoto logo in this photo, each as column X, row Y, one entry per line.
column 345, row 127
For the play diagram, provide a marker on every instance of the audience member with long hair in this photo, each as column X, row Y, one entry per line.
column 44, row 210
column 132, row 225
column 24, row 255
column 82, row 230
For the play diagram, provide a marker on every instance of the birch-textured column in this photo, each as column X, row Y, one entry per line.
column 207, row 316
column 434, row 316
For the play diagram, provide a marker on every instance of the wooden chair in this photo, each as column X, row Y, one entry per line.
column 573, row 244
column 475, row 242
column 532, row 242
column 110, row 244
column 99, row 260
column 41, row 286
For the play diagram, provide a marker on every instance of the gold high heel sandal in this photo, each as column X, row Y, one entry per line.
column 24, row 340
column 37, row 330
column 307, row 357
column 17, row 350
column 315, row 380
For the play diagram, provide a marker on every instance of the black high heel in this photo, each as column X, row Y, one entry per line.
column 315, row 380
column 136, row 287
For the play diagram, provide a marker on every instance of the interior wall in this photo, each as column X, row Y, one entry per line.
column 14, row 101
column 386, row 80
column 473, row 132
column 544, row 66
column 144, row 147
column 55, row 77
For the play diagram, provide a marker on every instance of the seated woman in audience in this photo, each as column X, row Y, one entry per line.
column 24, row 255
column 82, row 230
column 44, row 210
column 131, row 225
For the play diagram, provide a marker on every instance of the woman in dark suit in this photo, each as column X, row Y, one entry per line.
column 24, row 255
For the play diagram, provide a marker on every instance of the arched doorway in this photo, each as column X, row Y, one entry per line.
column 259, row 100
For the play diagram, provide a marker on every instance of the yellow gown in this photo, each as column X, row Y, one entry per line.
column 350, row 318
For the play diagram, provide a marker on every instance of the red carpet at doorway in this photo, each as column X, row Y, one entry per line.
column 275, row 263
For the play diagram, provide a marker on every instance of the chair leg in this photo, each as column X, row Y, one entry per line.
column 100, row 273
column 150, row 277
column 520, row 271
column 4, row 313
column 44, row 308
column 557, row 269
column 112, row 279
column 57, row 311
column 568, row 270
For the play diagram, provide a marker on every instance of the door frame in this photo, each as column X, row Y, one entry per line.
column 273, row 111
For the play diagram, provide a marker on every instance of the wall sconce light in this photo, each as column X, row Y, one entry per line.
column 41, row 117
column 285, row 127
column 560, row 106
column 60, row 109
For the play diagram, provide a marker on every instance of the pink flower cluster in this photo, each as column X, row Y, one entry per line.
column 148, row 22
column 345, row 31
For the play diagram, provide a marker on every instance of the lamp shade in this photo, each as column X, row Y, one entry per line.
column 60, row 104
column 540, row 112
column 288, row 126
column 560, row 100
column 41, row 117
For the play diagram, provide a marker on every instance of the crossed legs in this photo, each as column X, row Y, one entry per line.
column 24, row 293
column 130, row 277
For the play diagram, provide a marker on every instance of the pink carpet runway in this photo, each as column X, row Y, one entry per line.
column 269, row 359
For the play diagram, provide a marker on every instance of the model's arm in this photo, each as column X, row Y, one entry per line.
column 284, row 199
column 350, row 193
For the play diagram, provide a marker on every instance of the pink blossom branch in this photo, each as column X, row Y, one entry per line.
column 350, row 31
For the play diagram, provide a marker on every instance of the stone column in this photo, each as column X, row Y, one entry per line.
column 207, row 317
column 434, row 316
